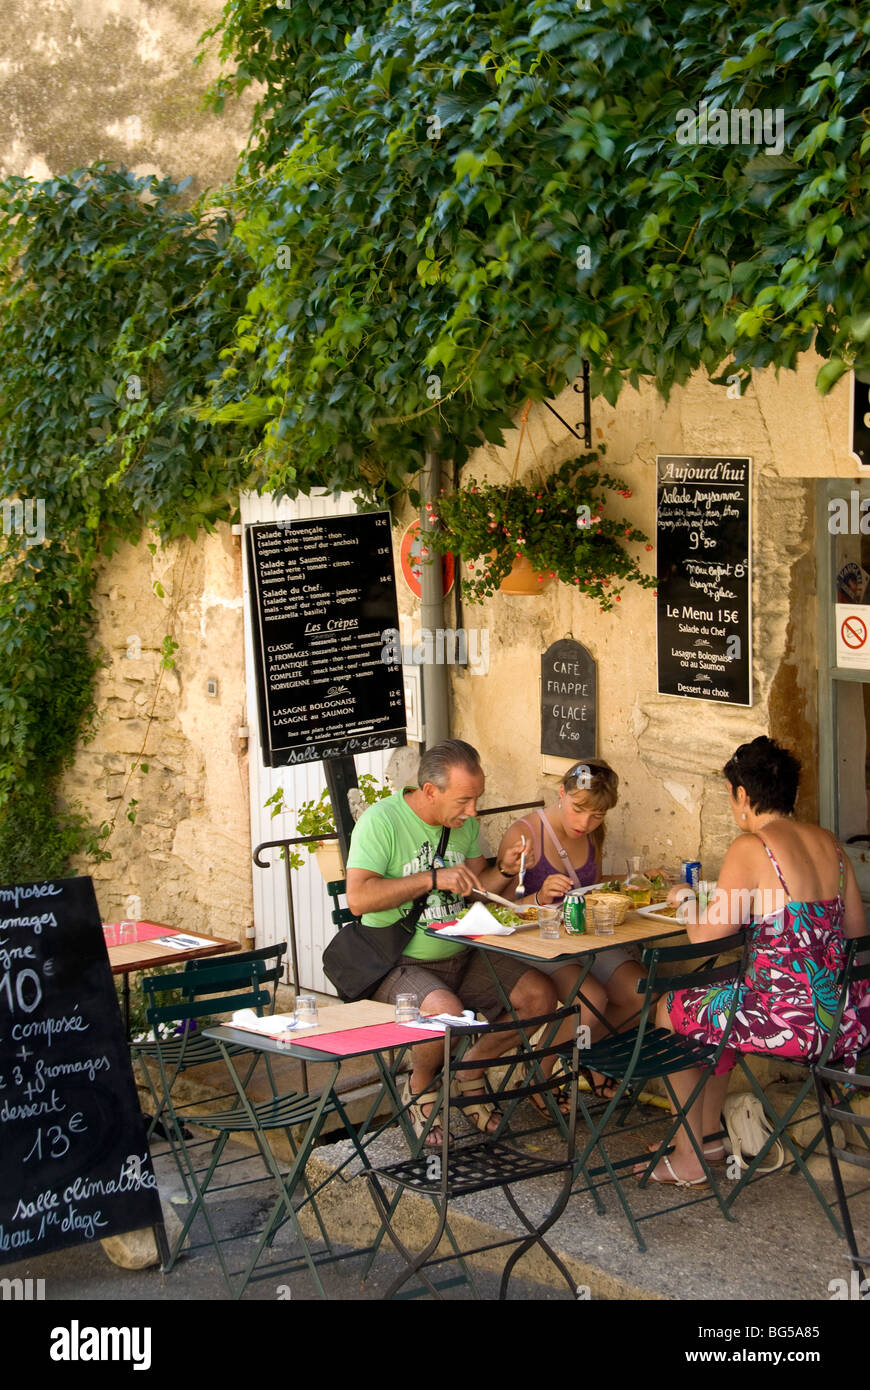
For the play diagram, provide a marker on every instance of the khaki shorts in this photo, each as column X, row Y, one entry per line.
column 466, row 975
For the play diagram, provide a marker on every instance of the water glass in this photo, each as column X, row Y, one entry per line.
column 548, row 921
column 126, row 933
column 306, row 1011
column 110, row 933
column 407, row 1008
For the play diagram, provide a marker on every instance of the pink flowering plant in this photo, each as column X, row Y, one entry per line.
column 558, row 523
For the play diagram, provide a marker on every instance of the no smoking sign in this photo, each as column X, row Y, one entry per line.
column 853, row 636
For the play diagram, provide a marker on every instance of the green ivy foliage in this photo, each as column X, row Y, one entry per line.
column 451, row 203
column 116, row 303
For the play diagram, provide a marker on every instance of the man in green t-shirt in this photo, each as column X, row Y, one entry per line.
column 392, row 864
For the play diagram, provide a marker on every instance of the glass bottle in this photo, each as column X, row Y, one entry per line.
column 636, row 884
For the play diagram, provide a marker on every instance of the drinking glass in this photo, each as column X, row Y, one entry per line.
column 407, row 1008
column 548, row 921
column 306, row 1011
column 126, row 933
column 110, row 933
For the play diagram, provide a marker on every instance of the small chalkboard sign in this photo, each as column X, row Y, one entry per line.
column 568, row 701
column 704, row 578
column 323, row 604
column 74, row 1161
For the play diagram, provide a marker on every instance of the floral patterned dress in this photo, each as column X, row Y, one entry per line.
column 788, row 999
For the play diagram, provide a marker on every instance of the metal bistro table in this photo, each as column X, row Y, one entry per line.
column 363, row 1029
column 528, row 946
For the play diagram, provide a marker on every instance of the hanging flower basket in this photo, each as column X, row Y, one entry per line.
column 556, row 523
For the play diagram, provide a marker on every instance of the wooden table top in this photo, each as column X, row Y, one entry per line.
column 530, row 945
column 147, row 955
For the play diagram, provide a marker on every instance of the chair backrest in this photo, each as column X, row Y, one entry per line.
column 341, row 915
column 267, row 960
column 856, row 968
column 654, row 957
column 658, row 961
column 526, row 1064
column 224, row 987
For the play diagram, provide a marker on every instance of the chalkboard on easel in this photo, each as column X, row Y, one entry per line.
column 74, row 1161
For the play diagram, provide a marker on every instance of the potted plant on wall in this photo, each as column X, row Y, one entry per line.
column 315, row 818
column 552, row 526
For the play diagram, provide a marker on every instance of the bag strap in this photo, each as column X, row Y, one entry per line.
column 563, row 853
column 409, row 922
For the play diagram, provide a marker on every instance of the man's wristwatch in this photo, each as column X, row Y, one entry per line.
column 434, row 883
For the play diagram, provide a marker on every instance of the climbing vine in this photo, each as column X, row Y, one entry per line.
column 116, row 302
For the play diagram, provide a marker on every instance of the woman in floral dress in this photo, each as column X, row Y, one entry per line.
column 806, row 903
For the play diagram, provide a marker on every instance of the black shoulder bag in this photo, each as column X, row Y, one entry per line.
column 359, row 957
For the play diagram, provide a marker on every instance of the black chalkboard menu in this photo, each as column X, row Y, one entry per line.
column 323, row 596
column 568, row 701
column 74, row 1162
column 703, row 526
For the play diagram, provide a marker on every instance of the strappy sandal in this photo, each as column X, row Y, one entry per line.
column 486, row 1111
column 602, row 1090
column 560, row 1095
column 672, row 1180
column 419, row 1121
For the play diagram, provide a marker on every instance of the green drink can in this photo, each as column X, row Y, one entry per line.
column 575, row 914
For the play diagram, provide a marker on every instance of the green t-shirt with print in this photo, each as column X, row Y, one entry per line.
column 391, row 840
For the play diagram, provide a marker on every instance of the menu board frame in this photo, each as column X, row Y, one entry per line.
column 295, row 614
column 704, row 567
column 74, row 1159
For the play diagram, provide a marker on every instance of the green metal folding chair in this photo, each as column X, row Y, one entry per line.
column 782, row 1121
column 189, row 1048
column 631, row 1059
column 834, row 1091
column 196, row 994
column 461, row 1167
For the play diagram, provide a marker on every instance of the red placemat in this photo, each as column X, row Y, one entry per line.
column 147, row 931
column 370, row 1039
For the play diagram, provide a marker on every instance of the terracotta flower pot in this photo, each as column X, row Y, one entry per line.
column 329, row 860
column 523, row 579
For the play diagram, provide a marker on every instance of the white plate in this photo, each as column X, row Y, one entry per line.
column 655, row 912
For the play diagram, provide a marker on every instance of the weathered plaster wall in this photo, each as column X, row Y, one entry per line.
column 113, row 80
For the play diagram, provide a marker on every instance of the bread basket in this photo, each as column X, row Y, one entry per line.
column 607, row 910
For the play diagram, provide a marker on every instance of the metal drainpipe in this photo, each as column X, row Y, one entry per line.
column 436, row 701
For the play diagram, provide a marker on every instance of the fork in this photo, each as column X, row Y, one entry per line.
column 521, row 887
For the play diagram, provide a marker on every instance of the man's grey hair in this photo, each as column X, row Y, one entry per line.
column 437, row 761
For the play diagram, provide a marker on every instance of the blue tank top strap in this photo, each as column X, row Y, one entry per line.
column 772, row 857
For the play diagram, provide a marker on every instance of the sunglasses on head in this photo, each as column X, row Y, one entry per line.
column 586, row 774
